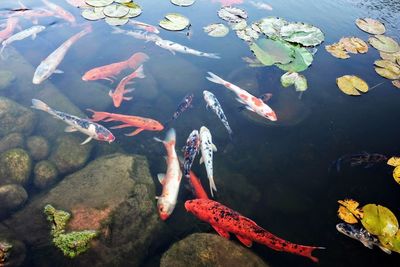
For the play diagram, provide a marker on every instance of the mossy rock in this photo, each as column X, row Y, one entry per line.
column 68, row 154
column 15, row 166
column 38, row 147
column 12, row 196
column 45, row 174
column 15, row 118
column 6, row 79
column 204, row 250
column 12, row 140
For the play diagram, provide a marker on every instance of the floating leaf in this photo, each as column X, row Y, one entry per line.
column 387, row 69
column 354, row 45
column 301, row 33
column 392, row 243
column 183, row 2
column 302, row 60
column 271, row 26
column 293, row 78
column 248, row 34
column 232, row 14
column 93, row 13
column 216, row 30
column 174, row 22
column 394, row 57
column 379, row 220
column 384, row 43
column 396, row 83
column 270, row 51
column 394, row 161
column 346, row 215
column 396, row 174
column 337, row 50
column 122, row 1
column 349, row 211
column 301, row 83
column 99, row 3
column 116, row 11
column 351, row 85
column 241, row 25
column 371, row 26
column 133, row 12
column 116, row 21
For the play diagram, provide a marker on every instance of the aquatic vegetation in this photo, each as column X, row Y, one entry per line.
column 348, row 211
column 174, row 22
column 387, row 69
column 57, row 218
column 293, row 78
column 394, row 161
column 384, row 43
column 216, row 30
column 270, row 52
column 301, row 61
column 379, row 220
column 15, row 166
column 394, row 57
column 371, row 26
column 183, row 2
column 302, row 33
column 232, row 14
column 347, row 45
column 352, row 85
column 247, row 34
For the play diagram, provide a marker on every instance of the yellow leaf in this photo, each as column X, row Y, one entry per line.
column 396, row 83
column 346, row 215
column 360, row 45
column 390, row 56
column 337, row 50
column 396, row 174
column 348, row 211
column 351, row 85
column 394, row 161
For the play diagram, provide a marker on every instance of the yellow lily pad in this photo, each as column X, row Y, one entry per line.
column 392, row 243
column 384, row 43
column 348, row 211
column 396, row 174
column 394, row 57
column 387, row 69
column 396, row 83
column 352, row 85
column 371, row 26
column 394, row 161
column 379, row 220
column 337, row 50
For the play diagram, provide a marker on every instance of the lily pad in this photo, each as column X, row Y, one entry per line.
column 293, row 78
column 93, row 13
column 354, row 45
column 379, row 220
column 384, row 43
column 271, row 26
column 248, row 34
column 116, row 21
column 216, row 30
column 241, row 25
column 392, row 243
column 337, row 50
column 387, row 69
column 352, row 85
column 183, row 2
column 348, row 211
column 302, row 60
column 122, row 1
column 174, row 22
column 133, row 12
column 394, row 57
column 270, row 52
column 371, row 26
column 394, row 161
column 301, row 33
column 396, row 174
column 396, row 83
column 99, row 3
column 116, row 11
column 232, row 14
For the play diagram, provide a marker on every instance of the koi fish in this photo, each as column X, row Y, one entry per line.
column 60, row 12
column 215, row 106
column 264, row 97
column 22, row 35
column 176, row 47
column 361, row 235
column 77, row 3
column 190, row 150
column 207, row 148
column 252, row 103
column 144, row 26
column 110, row 71
column 261, row 5
column 225, row 220
column 140, row 35
column 50, row 64
column 9, row 29
column 198, row 189
column 171, row 180
column 183, row 105
column 118, row 95
column 93, row 130
column 359, row 159
column 128, row 121
column 30, row 14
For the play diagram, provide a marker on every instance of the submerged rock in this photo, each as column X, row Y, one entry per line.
column 6, row 79
column 15, row 166
column 45, row 174
column 12, row 196
column 12, row 140
column 198, row 250
column 12, row 251
column 38, row 147
column 68, row 154
column 114, row 192
column 15, row 118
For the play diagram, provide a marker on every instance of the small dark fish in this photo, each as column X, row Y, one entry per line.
column 365, row 159
column 183, row 106
column 190, row 150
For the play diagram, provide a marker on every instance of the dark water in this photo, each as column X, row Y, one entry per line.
column 276, row 174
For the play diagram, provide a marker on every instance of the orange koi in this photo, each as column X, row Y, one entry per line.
column 60, row 12
column 109, row 71
column 118, row 95
column 128, row 121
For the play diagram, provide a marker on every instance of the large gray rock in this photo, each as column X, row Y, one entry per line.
column 204, row 250
column 15, row 118
column 12, row 197
column 38, row 147
column 118, row 185
column 15, row 166
column 12, row 140
column 44, row 174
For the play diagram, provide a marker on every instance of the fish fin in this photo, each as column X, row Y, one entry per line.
column 367, row 244
column 161, row 177
column 58, row 71
column 127, row 98
column 70, row 129
column 139, row 72
column 250, row 109
column 87, row 140
column 387, row 251
column 129, row 90
column 201, row 160
column 172, row 51
column 247, row 242
column 135, row 132
column 33, row 37
column 221, row 232
column 215, row 79
column 170, row 137
column 110, row 93
column 121, row 126
column 240, row 101
column 214, row 148
column 38, row 104
column 108, row 79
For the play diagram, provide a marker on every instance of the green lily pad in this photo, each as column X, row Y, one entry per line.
column 379, row 220
column 371, row 26
column 248, row 34
column 216, row 30
column 270, row 52
column 133, row 12
column 241, row 25
column 293, row 78
column 384, row 43
column 116, row 21
column 116, row 11
column 304, row 34
column 93, row 13
column 174, row 22
column 183, row 2
column 302, row 60
column 392, row 243
column 99, row 3
column 271, row 26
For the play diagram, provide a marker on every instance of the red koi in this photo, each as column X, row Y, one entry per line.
column 225, row 220
column 128, row 121
column 198, row 189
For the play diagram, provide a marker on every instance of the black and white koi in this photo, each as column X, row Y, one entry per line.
column 190, row 150
column 213, row 103
column 183, row 105
column 207, row 148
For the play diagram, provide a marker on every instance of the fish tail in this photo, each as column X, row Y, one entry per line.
column 139, row 72
column 40, row 105
column 98, row 116
column 213, row 187
column 306, row 251
column 137, row 58
column 211, row 55
column 215, row 79
column 170, row 138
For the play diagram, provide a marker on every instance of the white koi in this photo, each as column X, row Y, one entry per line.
column 207, row 148
column 171, row 180
column 140, row 35
column 175, row 47
column 33, row 31
column 143, row 26
column 252, row 103
column 50, row 64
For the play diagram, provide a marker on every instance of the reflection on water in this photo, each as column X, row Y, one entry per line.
column 275, row 173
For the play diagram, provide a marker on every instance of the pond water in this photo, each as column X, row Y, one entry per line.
column 276, row 173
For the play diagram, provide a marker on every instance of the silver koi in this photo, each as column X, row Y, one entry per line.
column 213, row 103
column 32, row 31
column 140, row 35
column 207, row 148
column 175, row 47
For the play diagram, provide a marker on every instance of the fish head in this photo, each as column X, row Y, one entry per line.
column 91, row 75
column 117, row 99
column 346, row 229
column 154, row 125
column 103, row 134
column 204, row 130
column 200, row 208
column 206, row 95
column 271, row 116
column 165, row 208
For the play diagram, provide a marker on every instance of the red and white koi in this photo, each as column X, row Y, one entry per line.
column 207, row 148
column 143, row 26
column 118, row 95
column 171, row 180
column 50, row 64
column 60, row 12
column 252, row 103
